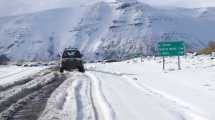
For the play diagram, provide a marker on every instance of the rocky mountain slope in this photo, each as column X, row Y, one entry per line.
column 104, row 30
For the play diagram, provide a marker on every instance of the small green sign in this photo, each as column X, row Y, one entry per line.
column 174, row 48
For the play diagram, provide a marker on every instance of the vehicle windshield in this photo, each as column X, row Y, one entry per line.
column 71, row 54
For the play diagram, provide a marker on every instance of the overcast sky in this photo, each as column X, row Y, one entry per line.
column 13, row 7
column 182, row 3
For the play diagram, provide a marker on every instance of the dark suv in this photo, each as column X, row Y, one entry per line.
column 71, row 59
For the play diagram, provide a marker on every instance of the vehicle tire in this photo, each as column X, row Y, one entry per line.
column 81, row 69
column 61, row 70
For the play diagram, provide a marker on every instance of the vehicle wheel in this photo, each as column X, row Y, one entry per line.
column 81, row 69
column 61, row 70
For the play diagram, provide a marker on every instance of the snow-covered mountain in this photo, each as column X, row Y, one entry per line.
column 104, row 30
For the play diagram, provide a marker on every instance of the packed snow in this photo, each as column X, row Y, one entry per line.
column 71, row 101
column 142, row 90
column 11, row 74
column 135, row 89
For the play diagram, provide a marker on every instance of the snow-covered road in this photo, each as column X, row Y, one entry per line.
column 11, row 74
column 130, row 100
column 129, row 90
column 72, row 100
column 24, row 97
column 142, row 91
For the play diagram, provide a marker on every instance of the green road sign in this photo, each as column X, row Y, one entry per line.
column 174, row 48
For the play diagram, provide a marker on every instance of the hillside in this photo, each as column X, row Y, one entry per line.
column 103, row 30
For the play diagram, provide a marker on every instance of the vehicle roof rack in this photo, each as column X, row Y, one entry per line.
column 71, row 48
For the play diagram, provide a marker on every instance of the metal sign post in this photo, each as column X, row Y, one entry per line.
column 163, row 63
column 173, row 48
column 179, row 63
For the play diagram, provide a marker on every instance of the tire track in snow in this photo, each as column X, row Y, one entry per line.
column 24, row 81
column 73, row 100
column 13, row 95
column 35, row 103
column 29, row 99
column 12, row 74
column 85, row 106
column 96, row 114
column 79, row 103
column 107, row 112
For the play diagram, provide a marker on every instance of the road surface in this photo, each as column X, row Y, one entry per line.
column 114, row 91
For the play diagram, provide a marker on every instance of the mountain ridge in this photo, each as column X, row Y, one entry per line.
column 103, row 31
